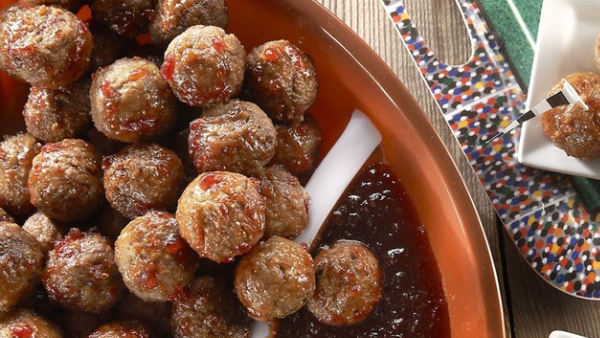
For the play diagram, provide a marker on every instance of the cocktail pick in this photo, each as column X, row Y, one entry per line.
column 567, row 95
column 331, row 178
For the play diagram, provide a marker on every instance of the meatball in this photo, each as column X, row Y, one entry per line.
column 570, row 127
column 52, row 115
column 237, row 136
column 173, row 17
column 108, row 46
column 24, row 323
column 128, row 18
column 16, row 158
column 142, row 177
column 81, row 273
column 208, row 309
column 155, row 262
column 66, row 180
column 121, row 330
column 21, row 262
column 287, row 203
column 298, row 147
column 155, row 314
column 44, row 230
column 204, row 66
column 131, row 101
column 44, row 57
column 72, row 5
column 5, row 216
column 221, row 215
column 348, row 284
column 275, row 279
column 281, row 79
column 110, row 222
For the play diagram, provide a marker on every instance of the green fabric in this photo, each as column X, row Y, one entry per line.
column 514, row 40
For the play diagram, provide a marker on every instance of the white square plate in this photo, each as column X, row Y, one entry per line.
column 566, row 39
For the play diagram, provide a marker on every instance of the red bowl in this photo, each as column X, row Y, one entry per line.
column 352, row 76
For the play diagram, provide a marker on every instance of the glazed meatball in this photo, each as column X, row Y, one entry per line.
column 153, row 259
column 221, row 215
column 155, row 314
column 570, row 127
column 24, row 323
column 348, row 284
column 16, row 158
column 237, row 136
column 44, row 230
column 108, row 46
column 142, row 177
column 281, row 79
column 81, row 273
column 121, row 330
column 298, row 147
column 131, row 101
column 44, row 57
column 21, row 262
column 208, row 309
column 5, row 216
column 52, row 115
column 287, row 203
column 204, row 66
column 66, row 180
column 128, row 18
column 110, row 222
column 275, row 279
column 72, row 5
column 173, row 17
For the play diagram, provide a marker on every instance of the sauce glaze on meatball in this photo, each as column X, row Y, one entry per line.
column 348, row 284
column 41, row 56
column 275, row 279
column 155, row 262
column 204, row 66
column 21, row 262
column 66, row 180
column 131, row 101
column 81, row 273
column 221, row 215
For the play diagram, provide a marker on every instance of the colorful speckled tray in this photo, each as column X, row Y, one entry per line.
column 540, row 210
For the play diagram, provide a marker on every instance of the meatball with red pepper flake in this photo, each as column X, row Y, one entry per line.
column 21, row 262
column 121, row 330
column 221, row 215
column 24, row 323
column 287, row 202
column 131, row 101
column 143, row 177
column 348, row 284
column 40, row 55
column 204, row 66
column 128, row 18
column 155, row 262
column 275, row 279
column 81, row 273
column 16, row 159
column 237, row 136
column 281, row 79
column 52, row 115
column 208, row 309
column 66, row 180
column 175, row 16
column 298, row 147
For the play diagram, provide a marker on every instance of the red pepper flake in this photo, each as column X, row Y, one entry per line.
column 21, row 331
column 270, row 55
column 168, row 67
column 208, row 180
column 218, row 45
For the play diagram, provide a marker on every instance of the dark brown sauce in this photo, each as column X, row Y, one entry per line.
column 377, row 211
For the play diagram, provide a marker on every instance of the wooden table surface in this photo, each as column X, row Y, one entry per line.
column 532, row 308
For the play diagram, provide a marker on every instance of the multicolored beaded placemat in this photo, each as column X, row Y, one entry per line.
column 540, row 210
